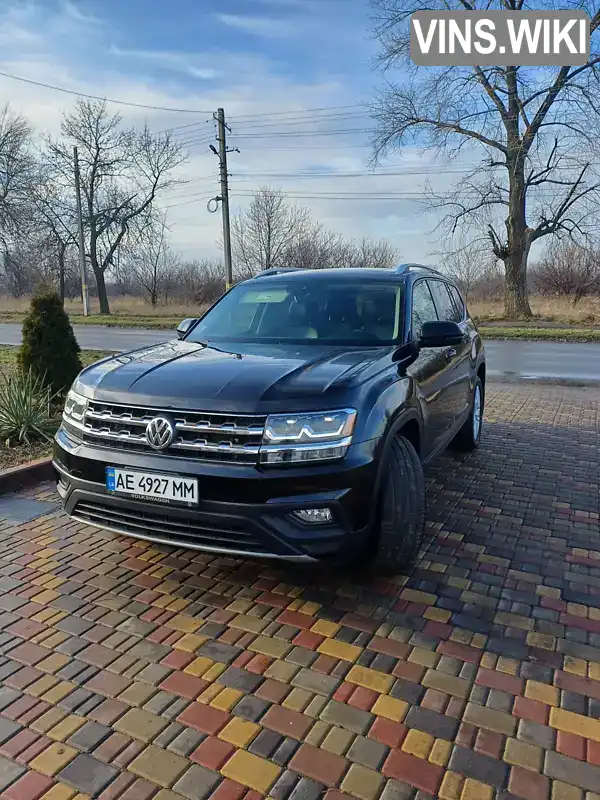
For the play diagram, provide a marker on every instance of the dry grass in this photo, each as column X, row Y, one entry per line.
column 119, row 306
column 548, row 309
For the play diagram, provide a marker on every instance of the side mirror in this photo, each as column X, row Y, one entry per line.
column 440, row 333
column 184, row 326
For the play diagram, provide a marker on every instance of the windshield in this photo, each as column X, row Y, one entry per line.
column 305, row 312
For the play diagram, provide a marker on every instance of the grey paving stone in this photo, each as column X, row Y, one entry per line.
column 428, row 721
column 284, row 785
column 307, row 789
column 136, row 627
column 241, row 679
column 301, row 656
column 197, row 783
column 367, row 752
column 154, row 674
column 219, row 651
column 88, row 737
column 535, row 733
column 285, row 751
column 568, row 770
column 8, row 729
column 158, row 703
column 408, row 691
column 9, row 772
column 479, row 767
column 266, row 743
column 186, row 742
column 74, row 700
column 166, row 736
column 20, row 509
column 88, row 775
column 315, row 682
column 149, row 651
column 8, row 696
column 353, row 719
column 250, row 708
column 397, row 790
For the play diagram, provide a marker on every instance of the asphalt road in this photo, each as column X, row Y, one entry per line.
column 513, row 359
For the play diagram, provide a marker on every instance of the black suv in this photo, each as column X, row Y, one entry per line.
column 291, row 421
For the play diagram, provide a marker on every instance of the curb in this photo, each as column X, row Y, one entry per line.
column 512, row 378
column 26, row 475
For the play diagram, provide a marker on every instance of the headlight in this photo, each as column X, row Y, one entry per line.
column 75, row 407
column 293, row 438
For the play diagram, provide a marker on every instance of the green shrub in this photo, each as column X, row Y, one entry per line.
column 49, row 349
column 25, row 409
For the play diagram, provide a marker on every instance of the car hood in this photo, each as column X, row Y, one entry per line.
column 244, row 378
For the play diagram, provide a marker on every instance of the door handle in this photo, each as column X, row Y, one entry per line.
column 450, row 353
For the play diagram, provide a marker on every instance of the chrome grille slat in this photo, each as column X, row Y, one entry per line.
column 200, row 434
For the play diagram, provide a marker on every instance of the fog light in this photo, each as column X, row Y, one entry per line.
column 314, row 515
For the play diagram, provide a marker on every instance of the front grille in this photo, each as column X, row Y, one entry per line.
column 198, row 434
column 180, row 531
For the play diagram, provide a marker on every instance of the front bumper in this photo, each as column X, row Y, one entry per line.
column 243, row 510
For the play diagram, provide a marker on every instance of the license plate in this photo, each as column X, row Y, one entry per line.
column 151, row 485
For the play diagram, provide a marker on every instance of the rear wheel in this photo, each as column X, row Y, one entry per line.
column 401, row 513
column 469, row 435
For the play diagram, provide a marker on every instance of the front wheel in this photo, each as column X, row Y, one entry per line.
column 469, row 435
column 400, row 523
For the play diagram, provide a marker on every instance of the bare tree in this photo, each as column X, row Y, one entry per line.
column 469, row 264
column 262, row 234
column 18, row 169
column 123, row 170
column 203, row 282
column 569, row 270
column 536, row 129
column 153, row 262
column 320, row 248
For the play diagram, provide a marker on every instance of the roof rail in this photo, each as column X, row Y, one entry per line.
column 405, row 267
column 276, row 271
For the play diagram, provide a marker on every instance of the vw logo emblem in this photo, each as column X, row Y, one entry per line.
column 160, row 433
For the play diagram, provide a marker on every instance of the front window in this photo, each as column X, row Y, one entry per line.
column 305, row 311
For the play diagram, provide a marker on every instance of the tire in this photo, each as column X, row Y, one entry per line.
column 400, row 522
column 469, row 436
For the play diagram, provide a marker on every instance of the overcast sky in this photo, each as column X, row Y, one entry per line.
column 264, row 62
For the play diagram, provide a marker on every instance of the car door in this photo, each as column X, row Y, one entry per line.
column 430, row 372
column 460, row 371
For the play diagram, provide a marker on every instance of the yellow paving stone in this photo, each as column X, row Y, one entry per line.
column 489, row 660
column 510, row 666
column 209, row 694
column 239, row 732
column 459, row 583
column 295, row 604
column 42, row 685
column 199, row 666
column 362, row 782
column 318, row 732
column 212, row 673
column 58, row 692
column 65, row 728
column 325, row 628
column 180, row 622
column 137, row 694
column 437, row 567
column 59, row 792
column 535, row 690
column 338, row 740
column 490, row 718
column 53, row 759
column 282, row 671
column 426, row 658
column 226, row 699
column 543, row 640
column 522, row 754
column 390, row 708
column 565, row 791
column 56, row 638
column 594, row 671
column 416, row 596
column 297, row 699
column 310, row 608
column 370, row 679
column 577, row 610
column 570, row 722
column 548, row 591
column 316, row 705
column 473, row 790
column 270, row 647
column 159, row 766
column 44, row 615
column 48, row 719
column 178, row 604
column 140, row 724
column 82, row 797
column 459, row 687
column 451, row 786
column 166, row 794
column 45, row 597
column 251, row 771
column 513, row 620
column 162, row 601
column 190, row 642
column 577, row 666
column 440, row 752
column 437, row 614
column 239, row 606
column 418, row 743
column 461, row 636
column 246, row 622
column 53, row 663
column 341, row 650
column 479, row 641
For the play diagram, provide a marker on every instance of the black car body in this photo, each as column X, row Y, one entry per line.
column 403, row 362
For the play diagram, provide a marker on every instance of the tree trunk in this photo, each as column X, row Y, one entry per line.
column 516, row 294
column 518, row 242
column 102, row 296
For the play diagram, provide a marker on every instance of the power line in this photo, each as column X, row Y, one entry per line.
column 98, row 97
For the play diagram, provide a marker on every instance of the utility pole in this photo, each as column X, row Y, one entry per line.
column 82, row 268
column 222, row 129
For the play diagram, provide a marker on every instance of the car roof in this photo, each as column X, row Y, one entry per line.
column 347, row 274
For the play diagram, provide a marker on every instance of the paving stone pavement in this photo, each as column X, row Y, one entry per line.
column 130, row 671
